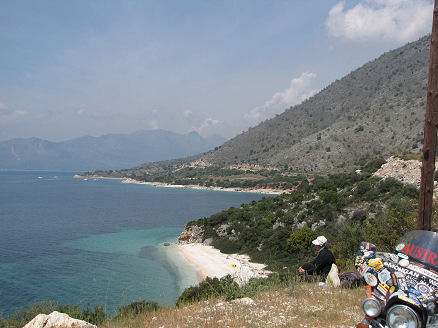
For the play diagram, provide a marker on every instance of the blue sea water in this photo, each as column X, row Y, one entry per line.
column 95, row 242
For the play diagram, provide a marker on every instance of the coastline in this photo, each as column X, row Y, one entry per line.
column 196, row 187
column 210, row 262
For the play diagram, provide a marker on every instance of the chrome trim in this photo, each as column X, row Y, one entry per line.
column 404, row 308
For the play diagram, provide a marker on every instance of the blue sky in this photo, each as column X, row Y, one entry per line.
column 74, row 68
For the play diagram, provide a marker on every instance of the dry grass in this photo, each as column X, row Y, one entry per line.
column 306, row 305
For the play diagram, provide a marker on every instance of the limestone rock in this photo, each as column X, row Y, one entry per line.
column 57, row 320
column 244, row 301
column 191, row 234
column 222, row 230
column 404, row 171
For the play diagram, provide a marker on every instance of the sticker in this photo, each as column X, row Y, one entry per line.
column 414, row 298
column 379, row 296
column 376, row 263
column 414, row 292
column 389, row 282
column 433, row 282
column 403, row 262
column 423, row 288
column 409, row 300
column 399, row 247
column 411, row 282
column 420, row 253
column 404, row 256
column 368, row 291
column 394, row 279
column 358, row 261
column 363, row 268
column 402, row 284
column 384, row 276
column 394, row 258
column 370, row 279
column 426, row 298
column 399, row 274
column 398, row 293
column 382, row 290
column 402, row 269
column 391, row 290
column 423, row 271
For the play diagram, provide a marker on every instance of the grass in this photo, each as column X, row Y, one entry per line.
column 295, row 305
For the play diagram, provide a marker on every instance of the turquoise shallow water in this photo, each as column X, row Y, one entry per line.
column 82, row 242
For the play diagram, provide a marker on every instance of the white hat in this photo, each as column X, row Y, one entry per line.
column 320, row 241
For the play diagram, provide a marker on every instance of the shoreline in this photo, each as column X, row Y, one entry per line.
column 195, row 187
column 210, row 262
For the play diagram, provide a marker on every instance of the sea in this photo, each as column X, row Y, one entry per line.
column 96, row 242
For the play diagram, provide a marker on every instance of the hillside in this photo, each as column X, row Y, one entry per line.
column 300, row 305
column 347, row 208
column 375, row 111
column 112, row 151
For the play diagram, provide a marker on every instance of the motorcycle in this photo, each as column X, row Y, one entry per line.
column 402, row 286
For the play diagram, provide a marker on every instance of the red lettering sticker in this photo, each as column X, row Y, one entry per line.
column 421, row 254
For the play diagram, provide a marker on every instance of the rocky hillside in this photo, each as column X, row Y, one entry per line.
column 375, row 111
column 347, row 208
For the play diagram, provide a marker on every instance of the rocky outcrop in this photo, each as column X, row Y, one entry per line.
column 191, row 234
column 404, row 171
column 57, row 320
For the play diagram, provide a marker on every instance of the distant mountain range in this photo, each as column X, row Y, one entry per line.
column 108, row 152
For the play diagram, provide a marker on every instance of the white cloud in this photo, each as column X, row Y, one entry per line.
column 206, row 126
column 377, row 20
column 18, row 113
column 299, row 90
column 7, row 115
column 187, row 113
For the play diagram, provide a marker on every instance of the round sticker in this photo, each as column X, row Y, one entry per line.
column 399, row 247
column 422, row 288
column 370, row 279
column 404, row 262
column 394, row 258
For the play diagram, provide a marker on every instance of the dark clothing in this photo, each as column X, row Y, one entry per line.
column 323, row 263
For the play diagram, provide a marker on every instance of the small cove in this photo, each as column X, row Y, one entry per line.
column 95, row 242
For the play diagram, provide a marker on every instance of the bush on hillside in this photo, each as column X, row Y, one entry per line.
column 301, row 239
column 136, row 308
column 210, row 288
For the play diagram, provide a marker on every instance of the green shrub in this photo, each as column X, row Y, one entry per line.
column 210, row 288
column 136, row 308
column 301, row 239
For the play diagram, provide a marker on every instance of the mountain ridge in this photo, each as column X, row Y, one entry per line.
column 110, row 151
column 376, row 110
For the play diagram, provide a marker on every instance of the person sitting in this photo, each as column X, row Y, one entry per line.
column 322, row 264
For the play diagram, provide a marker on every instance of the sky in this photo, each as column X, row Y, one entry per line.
column 93, row 67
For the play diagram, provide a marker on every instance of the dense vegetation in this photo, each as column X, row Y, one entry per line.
column 347, row 208
column 215, row 176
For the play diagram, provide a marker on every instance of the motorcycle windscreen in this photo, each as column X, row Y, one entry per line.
column 421, row 246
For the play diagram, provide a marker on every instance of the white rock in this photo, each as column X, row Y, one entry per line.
column 245, row 301
column 57, row 319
